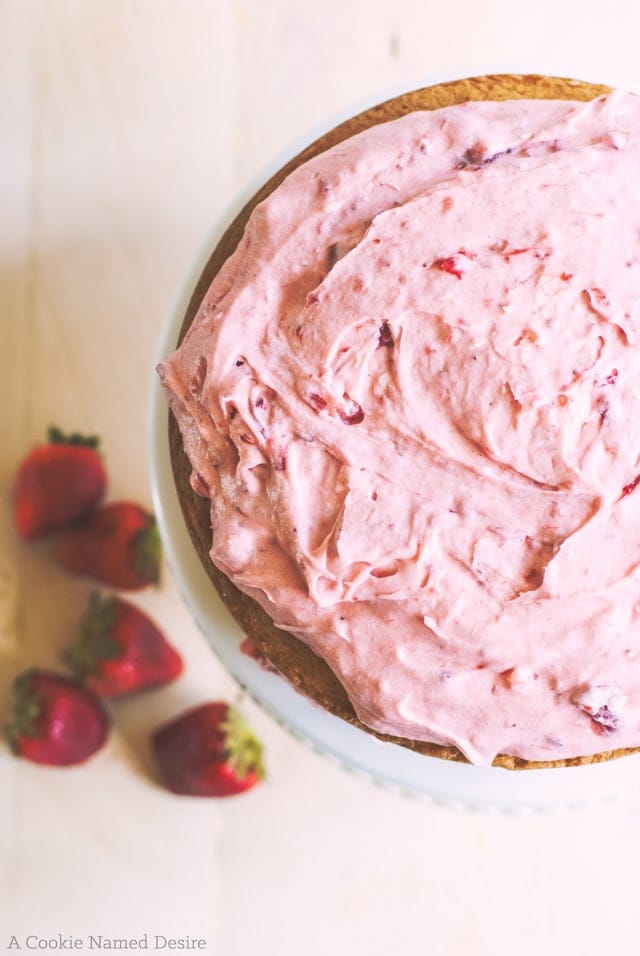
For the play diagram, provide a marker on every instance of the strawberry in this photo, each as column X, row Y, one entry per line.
column 208, row 752
column 249, row 647
column 55, row 719
column 119, row 649
column 118, row 545
column 58, row 484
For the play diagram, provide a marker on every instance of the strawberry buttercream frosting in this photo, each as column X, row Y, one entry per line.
column 412, row 395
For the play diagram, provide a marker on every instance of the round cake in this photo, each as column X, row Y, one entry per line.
column 403, row 435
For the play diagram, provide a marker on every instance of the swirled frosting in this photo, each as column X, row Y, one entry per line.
column 412, row 395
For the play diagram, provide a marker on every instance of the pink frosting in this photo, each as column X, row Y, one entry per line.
column 413, row 397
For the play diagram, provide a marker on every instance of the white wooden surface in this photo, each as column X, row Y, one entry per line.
column 126, row 128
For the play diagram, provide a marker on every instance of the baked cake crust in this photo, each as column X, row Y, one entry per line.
column 295, row 661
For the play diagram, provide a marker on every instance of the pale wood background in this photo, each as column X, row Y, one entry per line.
column 126, row 128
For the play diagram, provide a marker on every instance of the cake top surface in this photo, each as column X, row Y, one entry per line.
column 411, row 395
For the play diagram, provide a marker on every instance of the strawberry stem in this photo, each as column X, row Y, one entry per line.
column 147, row 549
column 242, row 746
column 56, row 436
column 26, row 710
column 94, row 642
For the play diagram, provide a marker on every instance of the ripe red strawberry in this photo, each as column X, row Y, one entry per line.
column 119, row 649
column 118, row 545
column 58, row 484
column 208, row 752
column 55, row 719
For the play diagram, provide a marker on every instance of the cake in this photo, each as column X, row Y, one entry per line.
column 405, row 390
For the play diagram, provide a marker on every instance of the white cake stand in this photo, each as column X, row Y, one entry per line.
column 455, row 785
